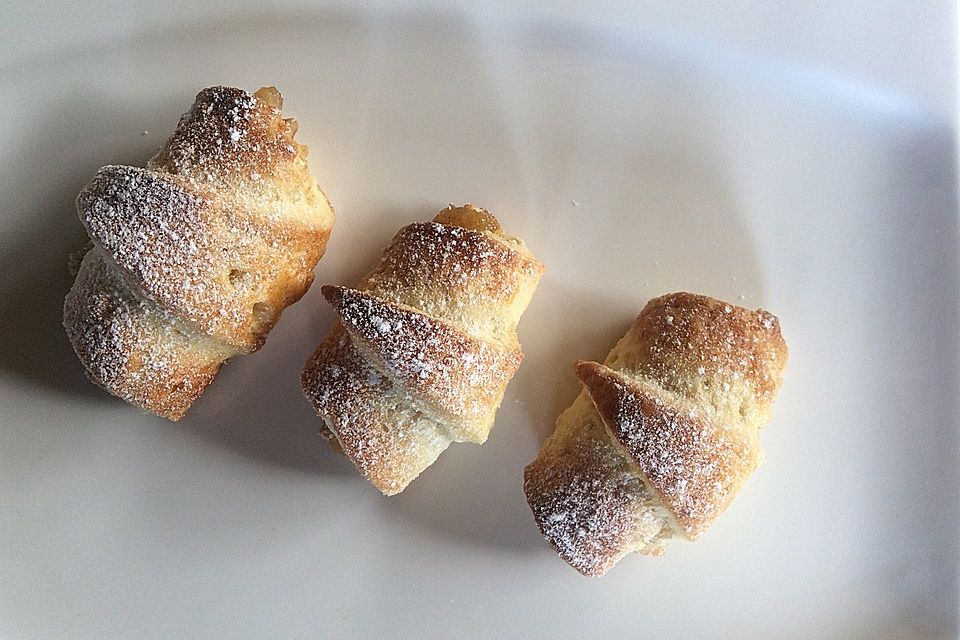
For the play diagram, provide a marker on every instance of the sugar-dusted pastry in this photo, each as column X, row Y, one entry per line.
column 663, row 434
column 424, row 346
column 193, row 258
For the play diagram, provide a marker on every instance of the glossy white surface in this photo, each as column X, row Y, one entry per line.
column 633, row 162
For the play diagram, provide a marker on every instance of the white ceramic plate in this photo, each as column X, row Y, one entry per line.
column 632, row 166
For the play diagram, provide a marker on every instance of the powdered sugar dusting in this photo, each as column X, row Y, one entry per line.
column 469, row 277
column 695, row 465
column 370, row 418
column 589, row 502
column 184, row 250
column 227, row 134
column 134, row 348
column 460, row 376
column 199, row 240
column 737, row 354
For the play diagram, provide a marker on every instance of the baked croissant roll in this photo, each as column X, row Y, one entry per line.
column 193, row 258
column 663, row 434
column 424, row 346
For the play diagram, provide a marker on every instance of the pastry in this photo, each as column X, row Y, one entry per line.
column 663, row 434
column 193, row 258
column 424, row 346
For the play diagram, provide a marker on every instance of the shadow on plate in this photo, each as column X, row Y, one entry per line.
column 255, row 407
column 922, row 296
column 66, row 145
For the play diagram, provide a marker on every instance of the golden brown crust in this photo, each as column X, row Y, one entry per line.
column 199, row 257
column 478, row 280
column 216, row 236
column 694, row 465
column 367, row 416
column 132, row 347
column 434, row 324
column 681, row 399
column 728, row 359
column 586, row 496
column 230, row 138
column 458, row 376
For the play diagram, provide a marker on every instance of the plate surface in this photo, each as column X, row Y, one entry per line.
column 632, row 166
